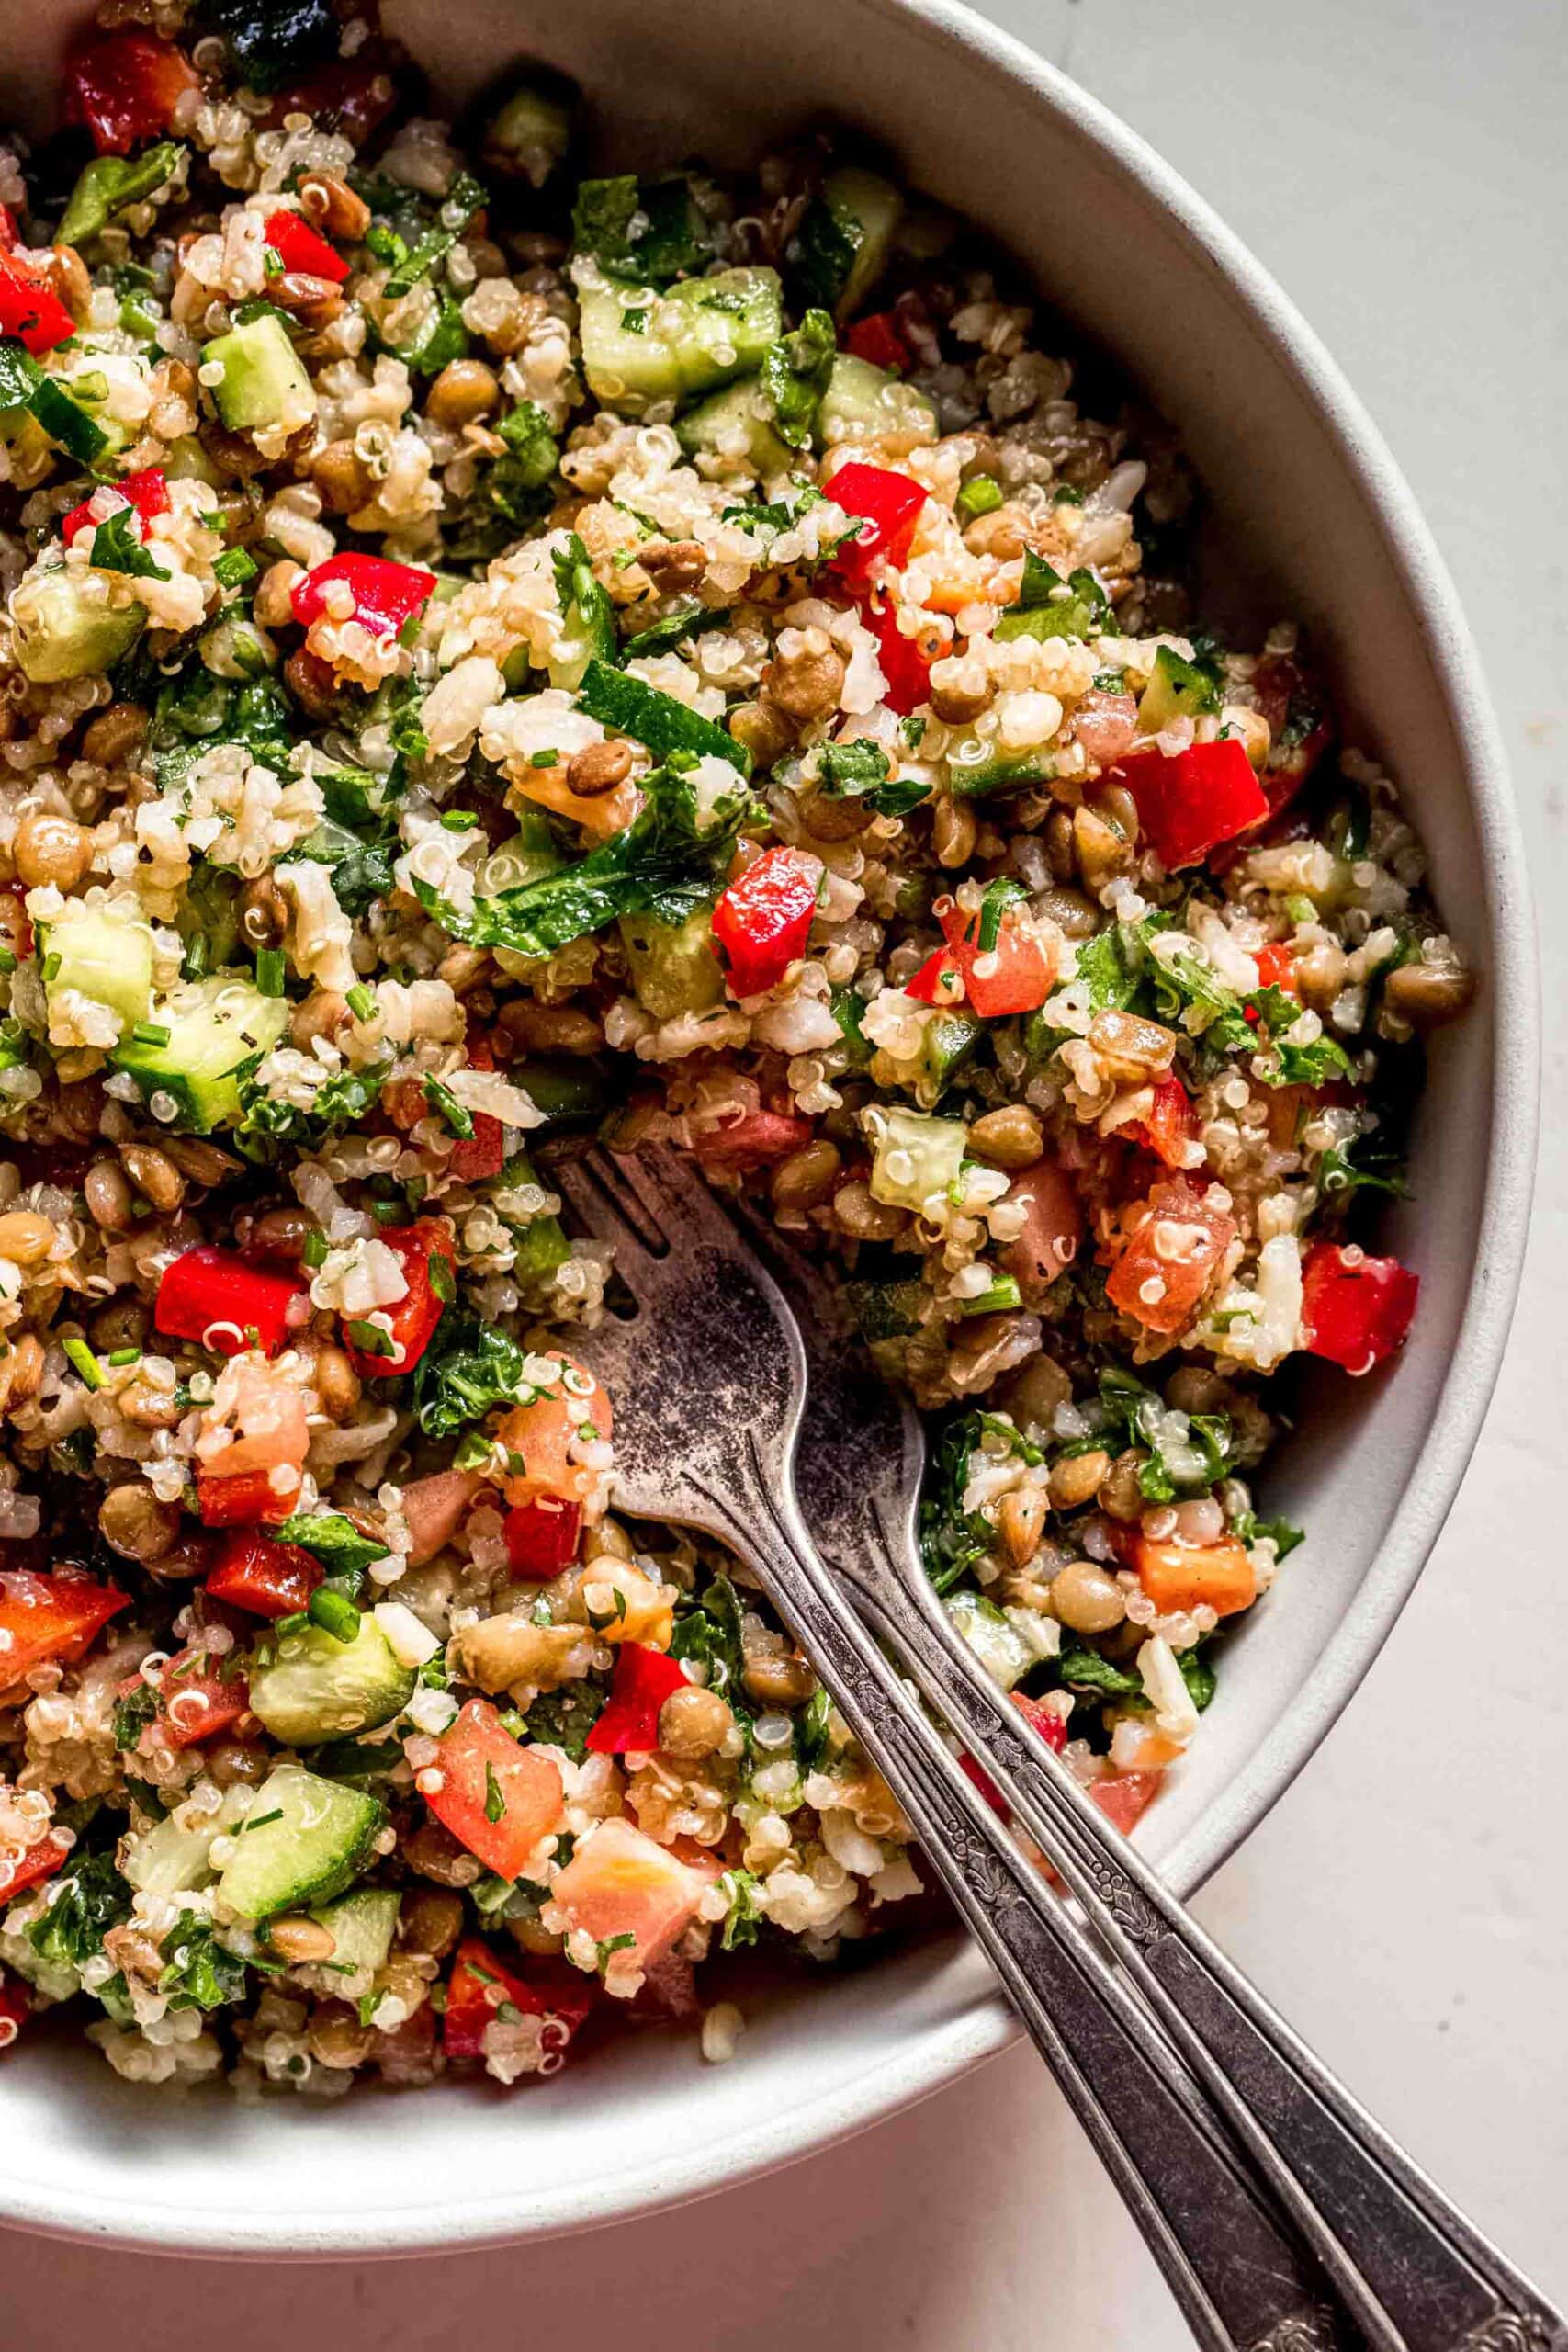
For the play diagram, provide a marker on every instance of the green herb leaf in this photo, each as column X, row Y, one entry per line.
column 332, row 1540
column 115, row 548
column 794, row 374
column 651, row 230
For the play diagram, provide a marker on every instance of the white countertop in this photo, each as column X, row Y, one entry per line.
column 1390, row 162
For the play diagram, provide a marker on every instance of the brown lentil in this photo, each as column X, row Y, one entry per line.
column 321, row 1014
column 300, row 1941
column 1009, row 1137
column 271, row 603
column 864, row 1218
column 1077, row 1480
column 464, row 390
column 804, row 1179
column 430, row 1921
column 1120, row 1497
column 1020, row 1522
column 26, row 1237
column 335, row 2038
column 155, row 1175
column 780, row 1681
column 598, row 767
column 553, row 1029
column 1428, row 995
column 805, row 684
column 333, row 206
column 692, row 1724
column 50, row 850
column 1086, row 1598
column 952, row 831
column 344, row 481
column 234, row 1764
column 133, row 1522
column 1101, row 851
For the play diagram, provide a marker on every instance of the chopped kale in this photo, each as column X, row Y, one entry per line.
column 652, row 231
column 474, row 1368
column 200, row 1972
column 88, row 1900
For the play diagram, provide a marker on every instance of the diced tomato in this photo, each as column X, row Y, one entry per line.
column 31, row 310
column 481, row 1983
column 1052, row 1728
column 542, row 1435
column 435, row 1508
column 1356, row 1310
column 17, row 933
column 541, row 1538
column 761, row 921
column 147, row 491
column 10, row 235
column 415, row 1316
column 125, row 85
column 1015, row 976
column 269, row 1579
column 877, row 340
column 303, row 249
column 350, row 95
column 49, row 1617
column 1301, row 722
column 196, row 1700
column 497, row 1797
column 1277, row 966
column 1169, row 1258
column 939, row 979
column 888, row 505
column 1190, row 802
column 757, row 1140
column 1171, row 1126
column 1124, row 1797
column 618, row 1883
column 15, row 2006
column 1184, row 1575
column 385, row 596
column 644, row 1679
column 31, row 1867
column 1053, row 1228
column 906, row 665
column 219, row 1300
column 245, row 1499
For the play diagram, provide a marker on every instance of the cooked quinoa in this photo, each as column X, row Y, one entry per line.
column 490, row 656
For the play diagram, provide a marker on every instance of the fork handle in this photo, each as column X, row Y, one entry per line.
column 1242, row 2282
column 1377, row 2223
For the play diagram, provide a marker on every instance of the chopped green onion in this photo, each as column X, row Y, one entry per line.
column 370, row 1339
column 474, row 1451
column 314, row 1252
column 442, row 1286
column 50, row 968
column 459, row 820
column 270, row 970
column 495, row 1802
column 361, row 1003
column 334, row 1613
column 545, row 760
column 123, row 1356
column 999, row 895
column 86, row 1361
column 233, row 568
column 442, row 1099
column 1002, row 1295
column 982, row 495
column 7, row 961
column 150, row 1032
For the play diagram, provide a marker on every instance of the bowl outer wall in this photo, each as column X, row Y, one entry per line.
column 1182, row 305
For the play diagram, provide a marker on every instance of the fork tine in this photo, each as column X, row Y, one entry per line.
column 612, row 1211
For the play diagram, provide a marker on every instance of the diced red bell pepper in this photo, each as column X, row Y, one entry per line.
column 939, row 979
column 247, row 1500
column 10, row 235
column 31, row 310
column 1171, row 1125
column 1356, row 1310
column 267, row 1579
column 757, row 1140
column 349, row 95
column 1124, row 1797
column 1301, row 720
column 761, row 922
column 16, row 930
column 905, row 668
column 49, row 1617
column 497, row 1797
column 482, row 1154
column 1052, row 1728
column 541, row 1537
column 125, row 85
column 219, row 1300
column 1015, row 976
column 196, row 1700
column 877, row 340
column 483, row 1987
column 1169, row 1258
column 303, row 249
column 413, row 1317
column 644, row 1679
column 31, row 1867
column 148, row 491
column 1277, row 966
column 888, row 505
column 385, row 596
column 1190, row 802
column 15, row 2008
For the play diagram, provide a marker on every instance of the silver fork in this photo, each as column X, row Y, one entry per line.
column 708, row 1375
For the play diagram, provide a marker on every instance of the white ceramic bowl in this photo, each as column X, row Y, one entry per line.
column 1302, row 483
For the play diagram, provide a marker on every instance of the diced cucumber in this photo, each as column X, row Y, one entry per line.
column 103, row 955
column 917, row 1157
column 527, row 855
column 633, row 708
column 263, row 382
column 362, row 1925
column 307, row 1686
column 170, row 1858
column 951, row 1037
column 541, row 1245
column 699, row 334
column 846, row 237
column 733, row 432
column 65, row 627
column 570, row 1093
column 110, row 186
column 673, row 967
column 303, row 1841
column 1000, row 1647
column 59, row 411
column 974, row 767
column 234, row 648
column 56, row 1980
column 531, row 133
column 864, row 402
column 187, row 460
column 217, row 1029
column 1179, row 689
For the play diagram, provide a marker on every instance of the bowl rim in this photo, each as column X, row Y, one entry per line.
column 983, row 2025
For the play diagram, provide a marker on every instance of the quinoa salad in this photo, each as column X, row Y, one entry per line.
column 495, row 652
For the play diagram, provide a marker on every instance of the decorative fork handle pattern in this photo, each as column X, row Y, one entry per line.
column 1242, row 2284
column 1409, row 2265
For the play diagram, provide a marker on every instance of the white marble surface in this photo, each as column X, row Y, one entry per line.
column 1395, row 161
